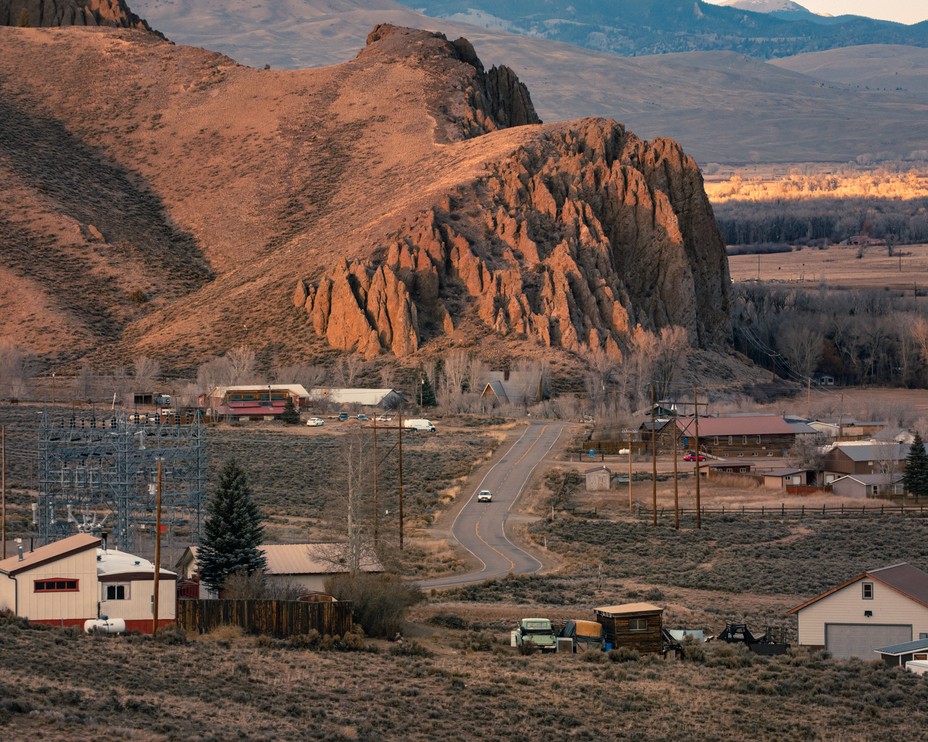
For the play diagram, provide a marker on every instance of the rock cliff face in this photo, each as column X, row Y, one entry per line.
column 38, row 13
column 486, row 101
column 572, row 241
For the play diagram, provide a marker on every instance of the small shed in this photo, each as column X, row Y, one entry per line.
column 598, row 478
column 633, row 625
column 782, row 478
column 896, row 655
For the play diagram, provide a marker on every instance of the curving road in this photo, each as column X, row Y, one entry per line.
column 480, row 527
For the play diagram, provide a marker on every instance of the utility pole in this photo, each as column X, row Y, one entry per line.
column 376, row 500
column 3, row 487
column 154, row 623
column 676, row 480
column 809, row 397
column 653, row 462
column 696, row 419
column 401, row 479
column 629, row 470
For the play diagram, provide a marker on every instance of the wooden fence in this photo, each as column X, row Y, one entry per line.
column 277, row 618
column 781, row 511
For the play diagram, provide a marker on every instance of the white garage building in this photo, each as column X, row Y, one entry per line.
column 881, row 607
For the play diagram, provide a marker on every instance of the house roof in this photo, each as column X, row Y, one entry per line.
column 48, row 553
column 520, row 386
column 736, row 425
column 903, row 578
column 353, row 395
column 878, row 478
column 873, row 450
column 114, row 563
column 317, row 559
column 627, row 608
column 596, row 469
column 302, row 559
column 296, row 389
column 784, row 472
column 905, row 648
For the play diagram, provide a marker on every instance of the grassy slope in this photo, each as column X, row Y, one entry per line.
column 63, row 685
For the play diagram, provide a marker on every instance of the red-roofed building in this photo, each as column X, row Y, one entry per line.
column 878, row 608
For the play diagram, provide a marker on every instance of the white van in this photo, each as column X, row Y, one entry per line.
column 419, row 423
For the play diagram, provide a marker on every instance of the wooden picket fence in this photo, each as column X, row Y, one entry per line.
column 277, row 618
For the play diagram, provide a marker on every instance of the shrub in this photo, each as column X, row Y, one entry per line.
column 527, row 648
column 624, row 654
column 410, row 649
column 593, row 655
column 379, row 601
column 172, row 635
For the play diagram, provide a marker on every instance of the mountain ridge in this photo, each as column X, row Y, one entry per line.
column 288, row 181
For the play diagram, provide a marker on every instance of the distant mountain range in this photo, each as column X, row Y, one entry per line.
column 636, row 27
column 868, row 102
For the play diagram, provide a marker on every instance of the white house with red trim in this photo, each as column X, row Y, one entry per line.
column 878, row 608
column 75, row 579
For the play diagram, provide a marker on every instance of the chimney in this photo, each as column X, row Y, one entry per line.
column 19, row 548
column 103, row 536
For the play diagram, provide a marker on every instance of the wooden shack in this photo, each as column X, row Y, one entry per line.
column 598, row 479
column 633, row 625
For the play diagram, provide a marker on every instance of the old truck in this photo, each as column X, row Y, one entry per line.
column 537, row 631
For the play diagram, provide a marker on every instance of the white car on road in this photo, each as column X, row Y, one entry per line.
column 315, row 422
column 484, row 496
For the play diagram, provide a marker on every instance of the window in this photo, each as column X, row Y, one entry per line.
column 56, row 585
column 867, row 590
column 116, row 591
column 744, row 440
column 637, row 624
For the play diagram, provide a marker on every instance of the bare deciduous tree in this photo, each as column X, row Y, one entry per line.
column 801, row 345
column 242, row 364
column 145, row 370
column 14, row 370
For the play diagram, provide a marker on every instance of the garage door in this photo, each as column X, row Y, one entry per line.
column 859, row 640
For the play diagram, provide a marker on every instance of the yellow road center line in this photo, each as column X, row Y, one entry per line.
column 512, row 564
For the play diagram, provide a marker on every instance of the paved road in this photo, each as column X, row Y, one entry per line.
column 480, row 527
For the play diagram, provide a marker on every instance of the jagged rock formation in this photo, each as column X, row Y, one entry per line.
column 491, row 100
column 39, row 13
column 580, row 235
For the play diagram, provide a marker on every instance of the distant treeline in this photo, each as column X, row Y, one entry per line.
column 875, row 337
column 817, row 220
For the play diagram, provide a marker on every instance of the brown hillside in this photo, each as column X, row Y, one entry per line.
column 166, row 200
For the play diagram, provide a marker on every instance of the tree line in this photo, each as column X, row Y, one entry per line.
column 867, row 337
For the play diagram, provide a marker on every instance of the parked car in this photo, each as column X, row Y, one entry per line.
column 384, row 418
column 690, row 456
column 342, row 416
column 315, row 422
column 484, row 496
column 363, row 418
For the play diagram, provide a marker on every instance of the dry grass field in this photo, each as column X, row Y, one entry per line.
column 58, row 684
column 838, row 267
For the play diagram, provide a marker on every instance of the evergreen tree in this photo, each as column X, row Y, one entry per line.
column 426, row 392
column 915, row 477
column 290, row 415
column 232, row 532
column 23, row 21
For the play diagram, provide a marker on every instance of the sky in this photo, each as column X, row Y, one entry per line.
column 901, row 11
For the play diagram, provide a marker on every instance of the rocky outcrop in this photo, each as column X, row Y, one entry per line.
column 70, row 13
column 491, row 100
column 580, row 237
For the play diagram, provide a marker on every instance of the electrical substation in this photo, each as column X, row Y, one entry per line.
column 99, row 475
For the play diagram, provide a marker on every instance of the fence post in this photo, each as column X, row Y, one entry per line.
column 782, row 508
